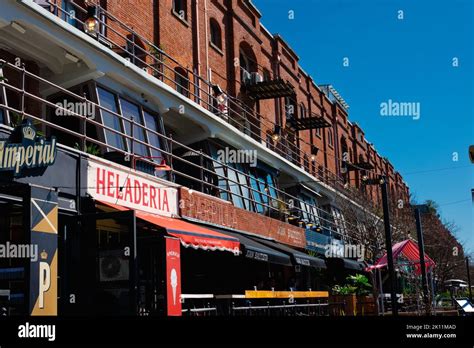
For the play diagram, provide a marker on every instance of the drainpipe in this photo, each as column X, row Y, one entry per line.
column 206, row 38
column 198, row 50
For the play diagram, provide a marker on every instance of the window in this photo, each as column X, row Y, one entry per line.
column 339, row 221
column 234, row 188
column 246, row 187
column 308, row 206
column 289, row 107
column 145, row 124
column 181, row 80
column 302, row 111
column 108, row 101
column 180, row 8
column 216, row 37
column 318, row 132
column 151, row 123
column 131, row 111
column 257, row 192
column 330, row 138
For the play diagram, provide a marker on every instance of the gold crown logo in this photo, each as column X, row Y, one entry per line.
column 29, row 133
column 44, row 255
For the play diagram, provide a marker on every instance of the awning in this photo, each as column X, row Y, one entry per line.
column 410, row 251
column 190, row 235
column 346, row 263
column 257, row 251
column 299, row 258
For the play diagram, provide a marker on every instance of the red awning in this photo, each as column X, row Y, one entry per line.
column 189, row 234
column 409, row 250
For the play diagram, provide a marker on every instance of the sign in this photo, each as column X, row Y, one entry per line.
column 130, row 189
column 209, row 209
column 173, row 276
column 43, row 272
column 25, row 149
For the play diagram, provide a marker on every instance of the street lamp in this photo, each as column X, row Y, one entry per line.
column 382, row 181
column 423, row 208
column 91, row 24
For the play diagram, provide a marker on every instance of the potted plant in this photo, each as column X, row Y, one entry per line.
column 365, row 301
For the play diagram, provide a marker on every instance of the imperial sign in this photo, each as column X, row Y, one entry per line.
column 31, row 152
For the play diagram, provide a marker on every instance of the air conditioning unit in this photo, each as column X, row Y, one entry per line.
column 113, row 266
column 255, row 78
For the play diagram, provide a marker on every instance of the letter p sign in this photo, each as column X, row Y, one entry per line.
column 44, row 281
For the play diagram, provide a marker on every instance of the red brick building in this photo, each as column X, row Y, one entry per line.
column 222, row 40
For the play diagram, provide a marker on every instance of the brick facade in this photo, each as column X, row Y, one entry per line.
column 188, row 42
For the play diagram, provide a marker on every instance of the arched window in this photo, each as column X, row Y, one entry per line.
column 247, row 61
column 302, row 111
column 180, row 8
column 216, row 37
column 181, row 80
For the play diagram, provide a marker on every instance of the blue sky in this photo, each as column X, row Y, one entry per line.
column 409, row 60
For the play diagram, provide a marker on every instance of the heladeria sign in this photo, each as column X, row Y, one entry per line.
column 30, row 152
column 130, row 189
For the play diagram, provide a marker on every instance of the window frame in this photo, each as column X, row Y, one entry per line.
column 183, row 7
column 118, row 111
column 330, row 138
column 215, row 28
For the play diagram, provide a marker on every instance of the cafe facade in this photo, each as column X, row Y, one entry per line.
column 114, row 174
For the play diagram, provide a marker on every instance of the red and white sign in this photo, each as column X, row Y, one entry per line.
column 129, row 189
column 173, row 276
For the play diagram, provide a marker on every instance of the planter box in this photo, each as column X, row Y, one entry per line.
column 366, row 305
column 343, row 305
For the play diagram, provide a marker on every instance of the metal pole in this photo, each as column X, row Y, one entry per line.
column 468, row 278
column 421, row 250
column 388, row 245
column 381, row 299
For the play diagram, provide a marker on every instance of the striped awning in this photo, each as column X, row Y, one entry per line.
column 409, row 250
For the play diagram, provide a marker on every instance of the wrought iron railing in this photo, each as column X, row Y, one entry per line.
column 30, row 103
column 126, row 42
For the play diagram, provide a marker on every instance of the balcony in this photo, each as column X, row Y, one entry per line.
column 139, row 141
column 124, row 41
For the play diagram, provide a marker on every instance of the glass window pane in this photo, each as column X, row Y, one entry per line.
column 222, row 181
column 107, row 100
column 130, row 110
column 152, row 123
column 244, row 187
column 257, row 196
column 234, row 188
column 271, row 186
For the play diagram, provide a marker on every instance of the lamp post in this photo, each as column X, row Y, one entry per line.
column 469, row 278
column 382, row 181
column 421, row 251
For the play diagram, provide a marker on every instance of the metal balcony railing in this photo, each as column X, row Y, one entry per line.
column 125, row 41
column 30, row 105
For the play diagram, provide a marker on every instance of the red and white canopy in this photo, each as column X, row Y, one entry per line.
column 409, row 250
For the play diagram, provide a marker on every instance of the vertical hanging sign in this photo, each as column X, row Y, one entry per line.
column 44, row 234
column 173, row 276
